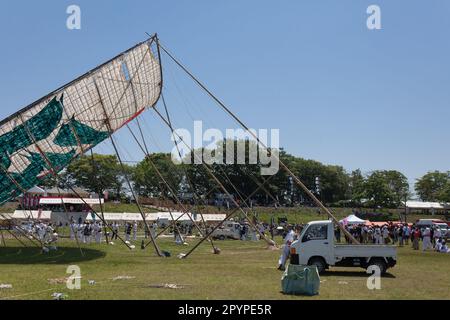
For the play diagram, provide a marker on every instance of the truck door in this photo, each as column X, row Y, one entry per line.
column 316, row 242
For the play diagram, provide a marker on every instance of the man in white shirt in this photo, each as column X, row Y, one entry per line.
column 79, row 229
column 72, row 230
column 437, row 234
column 135, row 229
column 288, row 239
column 377, row 235
column 97, row 232
column 426, row 239
column 115, row 230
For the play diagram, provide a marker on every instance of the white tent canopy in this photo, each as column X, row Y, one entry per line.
column 352, row 219
column 6, row 216
column 32, row 214
column 70, row 201
column 158, row 216
column 36, row 190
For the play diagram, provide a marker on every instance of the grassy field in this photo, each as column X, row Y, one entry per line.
column 244, row 270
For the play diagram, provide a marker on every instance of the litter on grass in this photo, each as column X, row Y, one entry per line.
column 57, row 281
column 123, row 278
column 59, row 296
column 166, row 286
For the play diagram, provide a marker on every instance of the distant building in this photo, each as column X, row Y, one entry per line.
column 38, row 197
column 428, row 207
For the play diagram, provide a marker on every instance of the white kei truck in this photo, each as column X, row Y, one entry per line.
column 316, row 246
column 229, row 230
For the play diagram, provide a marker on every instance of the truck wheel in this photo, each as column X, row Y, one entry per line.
column 319, row 263
column 222, row 237
column 379, row 263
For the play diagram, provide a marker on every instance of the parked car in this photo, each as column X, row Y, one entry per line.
column 228, row 230
column 444, row 229
column 422, row 224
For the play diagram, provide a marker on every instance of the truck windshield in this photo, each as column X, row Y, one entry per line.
column 316, row 232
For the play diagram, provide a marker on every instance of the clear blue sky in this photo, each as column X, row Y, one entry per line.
column 340, row 93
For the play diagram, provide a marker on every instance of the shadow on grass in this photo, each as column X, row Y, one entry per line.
column 360, row 274
column 35, row 256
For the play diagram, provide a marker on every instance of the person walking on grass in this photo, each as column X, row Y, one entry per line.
column 135, row 230
column 289, row 238
column 128, row 228
column 97, row 231
column 426, row 240
column 400, row 236
column 115, row 231
column 87, row 233
column 406, row 234
column 378, row 236
column 385, row 233
column 394, row 235
column 72, row 227
column 416, row 238
column 79, row 229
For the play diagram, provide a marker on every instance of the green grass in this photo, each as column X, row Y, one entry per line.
column 244, row 270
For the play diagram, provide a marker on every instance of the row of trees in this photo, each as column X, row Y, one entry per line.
column 331, row 183
column 434, row 186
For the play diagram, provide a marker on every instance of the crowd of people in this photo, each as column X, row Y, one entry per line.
column 401, row 234
column 94, row 231
column 431, row 238
column 38, row 230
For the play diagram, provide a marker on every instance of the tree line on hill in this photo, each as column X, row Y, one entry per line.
column 331, row 183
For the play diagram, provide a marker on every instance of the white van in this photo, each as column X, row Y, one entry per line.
column 228, row 230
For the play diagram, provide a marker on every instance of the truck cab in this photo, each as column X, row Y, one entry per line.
column 316, row 246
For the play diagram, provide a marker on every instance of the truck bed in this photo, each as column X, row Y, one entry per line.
column 364, row 250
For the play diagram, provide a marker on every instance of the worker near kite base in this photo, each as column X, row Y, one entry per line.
column 288, row 239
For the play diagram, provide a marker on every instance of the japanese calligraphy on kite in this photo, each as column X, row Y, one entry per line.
column 47, row 135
